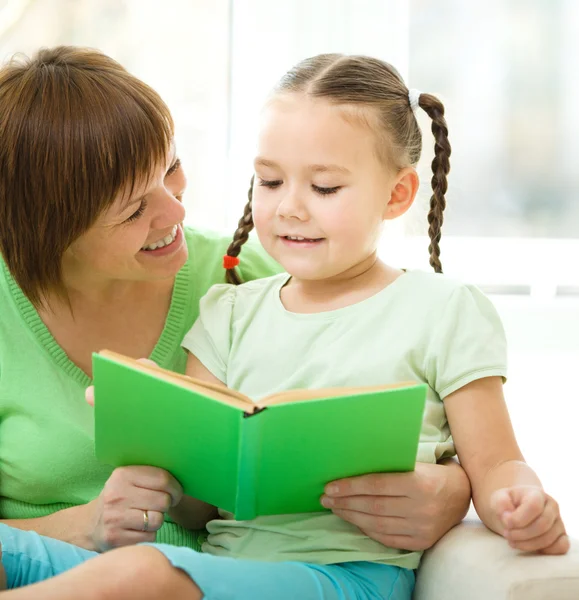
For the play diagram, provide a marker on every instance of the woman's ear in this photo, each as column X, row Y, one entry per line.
column 403, row 193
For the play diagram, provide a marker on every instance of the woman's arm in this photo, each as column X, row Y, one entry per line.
column 410, row 511
column 69, row 525
column 187, row 512
column 507, row 493
column 116, row 517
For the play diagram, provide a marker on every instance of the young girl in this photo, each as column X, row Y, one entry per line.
column 337, row 151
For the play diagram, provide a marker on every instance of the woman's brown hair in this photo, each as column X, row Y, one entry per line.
column 369, row 83
column 76, row 129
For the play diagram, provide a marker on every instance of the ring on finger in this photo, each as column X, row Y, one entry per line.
column 145, row 520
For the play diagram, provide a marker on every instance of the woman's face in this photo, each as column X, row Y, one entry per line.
column 139, row 238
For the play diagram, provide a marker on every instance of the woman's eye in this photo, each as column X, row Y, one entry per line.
column 174, row 167
column 138, row 212
column 324, row 191
column 270, row 183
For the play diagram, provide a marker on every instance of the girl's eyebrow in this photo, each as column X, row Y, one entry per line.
column 329, row 168
column 264, row 162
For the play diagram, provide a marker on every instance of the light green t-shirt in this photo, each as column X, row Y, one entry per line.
column 47, row 460
column 423, row 327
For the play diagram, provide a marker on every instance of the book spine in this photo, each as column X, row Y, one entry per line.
column 249, row 456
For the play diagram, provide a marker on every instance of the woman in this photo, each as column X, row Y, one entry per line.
column 94, row 255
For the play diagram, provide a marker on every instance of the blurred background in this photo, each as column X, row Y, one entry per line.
column 508, row 74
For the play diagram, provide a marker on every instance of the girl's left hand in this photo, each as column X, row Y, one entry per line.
column 409, row 511
column 531, row 519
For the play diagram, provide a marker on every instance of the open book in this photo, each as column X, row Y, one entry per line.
column 248, row 458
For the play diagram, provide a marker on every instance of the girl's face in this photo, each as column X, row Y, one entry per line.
column 321, row 193
column 139, row 238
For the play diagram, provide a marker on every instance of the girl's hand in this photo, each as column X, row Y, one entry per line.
column 89, row 392
column 531, row 519
column 409, row 511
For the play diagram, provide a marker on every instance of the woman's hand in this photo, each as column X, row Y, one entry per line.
column 409, row 511
column 132, row 506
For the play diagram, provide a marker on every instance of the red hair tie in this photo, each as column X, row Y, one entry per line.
column 230, row 261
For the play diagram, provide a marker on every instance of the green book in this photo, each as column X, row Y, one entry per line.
column 251, row 459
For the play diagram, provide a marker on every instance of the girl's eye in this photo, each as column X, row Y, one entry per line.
column 138, row 212
column 175, row 166
column 325, row 191
column 270, row 183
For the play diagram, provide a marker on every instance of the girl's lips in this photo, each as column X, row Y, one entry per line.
column 165, row 250
column 305, row 243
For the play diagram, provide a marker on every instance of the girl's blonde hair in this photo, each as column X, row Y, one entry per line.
column 378, row 90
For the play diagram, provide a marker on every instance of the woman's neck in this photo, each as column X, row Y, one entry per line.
column 127, row 317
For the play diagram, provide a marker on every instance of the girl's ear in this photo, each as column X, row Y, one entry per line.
column 403, row 193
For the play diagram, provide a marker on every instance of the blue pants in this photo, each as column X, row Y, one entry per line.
column 28, row 558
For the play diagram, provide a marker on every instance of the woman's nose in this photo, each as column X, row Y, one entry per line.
column 169, row 211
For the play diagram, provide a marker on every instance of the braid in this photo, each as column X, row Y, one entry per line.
column 241, row 235
column 440, row 169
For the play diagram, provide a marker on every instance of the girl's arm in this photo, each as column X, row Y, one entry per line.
column 507, row 493
column 195, row 368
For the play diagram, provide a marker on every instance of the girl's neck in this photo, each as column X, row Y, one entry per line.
column 355, row 285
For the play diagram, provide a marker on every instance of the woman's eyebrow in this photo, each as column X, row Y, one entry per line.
column 131, row 202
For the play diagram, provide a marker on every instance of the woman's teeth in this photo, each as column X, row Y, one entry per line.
column 168, row 239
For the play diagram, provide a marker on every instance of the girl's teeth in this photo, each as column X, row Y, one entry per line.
column 295, row 238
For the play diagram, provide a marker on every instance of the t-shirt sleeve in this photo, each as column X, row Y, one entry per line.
column 210, row 337
column 255, row 262
column 468, row 344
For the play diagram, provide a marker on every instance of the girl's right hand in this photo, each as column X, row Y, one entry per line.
column 132, row 505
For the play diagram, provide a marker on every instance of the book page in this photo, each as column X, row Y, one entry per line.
column 301, row 395
column 213, row 390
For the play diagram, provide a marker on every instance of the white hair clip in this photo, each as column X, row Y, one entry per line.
column 414, row 98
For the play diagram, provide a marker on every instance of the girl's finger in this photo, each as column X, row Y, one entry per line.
column 531, row 505
column 89, row 392
column 89, row 395
column 543, row 541
column 538, row 527
column 561, row 546
column 502, row 503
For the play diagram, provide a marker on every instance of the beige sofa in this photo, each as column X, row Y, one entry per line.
column 472, row 563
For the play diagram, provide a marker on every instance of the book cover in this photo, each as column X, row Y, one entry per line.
column 273, row 457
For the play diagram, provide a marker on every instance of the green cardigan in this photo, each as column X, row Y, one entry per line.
column 47, row 460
